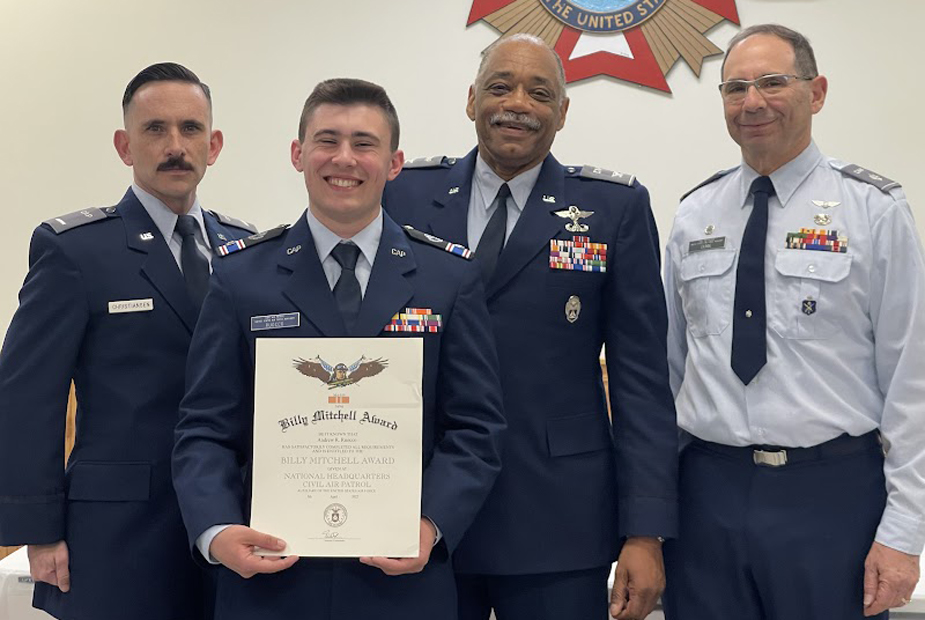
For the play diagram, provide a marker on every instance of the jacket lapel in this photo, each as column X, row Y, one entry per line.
column 307, row 286
column 536, row 226
column 449, row 217
column 159, row 266
column 388, row 290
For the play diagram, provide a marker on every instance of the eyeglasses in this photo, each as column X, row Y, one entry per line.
column 734, row 91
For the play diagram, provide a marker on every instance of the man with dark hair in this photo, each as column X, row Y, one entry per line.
column 344, row 269
column 110, row 303
column 570, row 259
column 796, row 296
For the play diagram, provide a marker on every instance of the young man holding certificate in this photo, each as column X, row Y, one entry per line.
column 344, row 269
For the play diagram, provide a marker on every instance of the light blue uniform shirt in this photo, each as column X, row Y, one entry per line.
column 852, row 362
column 166, row 222
column 325, row 241
column 485, row 186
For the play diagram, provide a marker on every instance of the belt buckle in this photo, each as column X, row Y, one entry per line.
column 777, row 458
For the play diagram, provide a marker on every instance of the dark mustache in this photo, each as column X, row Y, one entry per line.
column 175, row 163
column 518, row 118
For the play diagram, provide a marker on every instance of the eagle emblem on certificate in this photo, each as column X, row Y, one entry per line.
column 574, row 213
column 340, row 375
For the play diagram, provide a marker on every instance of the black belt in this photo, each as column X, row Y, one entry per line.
column 778, row 456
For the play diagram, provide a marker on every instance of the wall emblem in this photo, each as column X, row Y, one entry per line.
column 637, row 41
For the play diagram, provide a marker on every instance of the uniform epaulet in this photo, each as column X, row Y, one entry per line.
column 437, row 242
column 437, row 161
column 64, row 223
column 249, row 242
column 591, row 172
column 715, row 177
column 867, row 176
column 233, row 221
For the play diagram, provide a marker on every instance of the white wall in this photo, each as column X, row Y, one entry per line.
column 64, row 65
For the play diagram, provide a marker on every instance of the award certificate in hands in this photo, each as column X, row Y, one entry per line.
column 337, row 445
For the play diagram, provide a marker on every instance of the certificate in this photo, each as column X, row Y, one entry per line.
column 337, row 445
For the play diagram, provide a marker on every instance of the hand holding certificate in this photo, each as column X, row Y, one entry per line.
column 337, row 446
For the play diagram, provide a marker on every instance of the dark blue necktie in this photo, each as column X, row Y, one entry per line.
column 750, row 321
column 492, row 240
column 347, row 289
column 194, row 265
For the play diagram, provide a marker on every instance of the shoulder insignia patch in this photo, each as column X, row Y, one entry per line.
column 63, row 223
column 239, row 244
column 436, row 161
column 868, row 176
column 437, row 242
column 233, row 221
column 715, row 177
column 591, row 172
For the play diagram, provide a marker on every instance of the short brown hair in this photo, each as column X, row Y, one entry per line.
column 350, row 91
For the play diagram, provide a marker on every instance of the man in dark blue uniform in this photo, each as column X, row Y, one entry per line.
column 110, row 302
column 343, row 269
column 570, row 259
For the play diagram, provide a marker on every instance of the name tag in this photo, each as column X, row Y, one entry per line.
column 275, row 321
column 131, row 305
column 707, row 244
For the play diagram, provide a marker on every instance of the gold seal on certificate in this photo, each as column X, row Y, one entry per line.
column 337, row 445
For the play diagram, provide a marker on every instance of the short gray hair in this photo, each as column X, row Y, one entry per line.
column 804, row 58
column 525, row 38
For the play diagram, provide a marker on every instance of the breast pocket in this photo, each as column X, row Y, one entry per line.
column 809, row 289
column 707, row 286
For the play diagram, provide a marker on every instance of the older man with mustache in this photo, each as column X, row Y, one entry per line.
column 570, row 260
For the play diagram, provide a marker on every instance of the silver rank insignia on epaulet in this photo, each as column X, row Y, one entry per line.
column 867, row 176
column 716, row 176
column 248, row 242
column 436, row 161
column 592, row 172
column 437, row 242
column 63, row 223
column 233, row 221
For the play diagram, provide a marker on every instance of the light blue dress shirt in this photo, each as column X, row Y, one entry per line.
column 850, row 362
column 325, row 241
column 166, row 222
column 485, row 186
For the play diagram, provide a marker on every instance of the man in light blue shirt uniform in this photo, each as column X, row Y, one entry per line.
column 796, row 296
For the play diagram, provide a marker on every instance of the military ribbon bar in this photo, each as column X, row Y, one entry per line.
column 579, row 254
column 415, row 320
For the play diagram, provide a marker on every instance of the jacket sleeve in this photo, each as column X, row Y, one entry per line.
column 212, row 438
column 644, row 422
column 467, row 458
column 36, row 367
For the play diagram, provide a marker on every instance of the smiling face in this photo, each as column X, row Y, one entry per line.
column 517, row 107
column 771, row 130
column 346, row 159
column 168, row 141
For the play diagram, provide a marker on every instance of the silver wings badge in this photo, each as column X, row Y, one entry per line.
column 574, row 213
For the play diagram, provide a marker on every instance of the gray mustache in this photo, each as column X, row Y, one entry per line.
column 516, row 118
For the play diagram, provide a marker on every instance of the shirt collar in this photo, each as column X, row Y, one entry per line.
column 164, row 218
column 788, row 177
column 325, row 240
column 488, row 183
